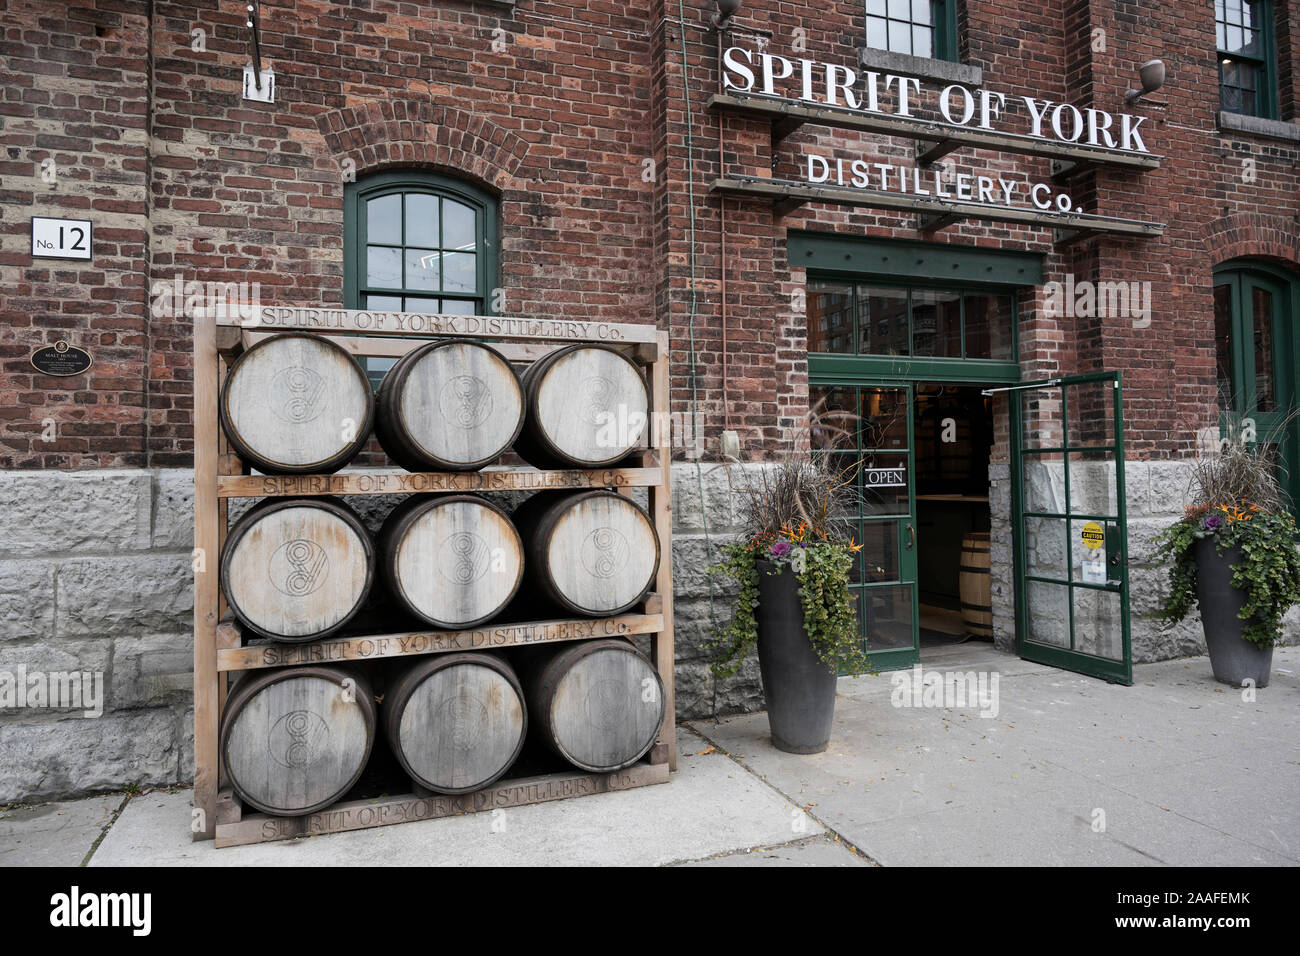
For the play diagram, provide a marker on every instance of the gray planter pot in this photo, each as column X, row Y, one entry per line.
column 1233, row 658
column 798, row 687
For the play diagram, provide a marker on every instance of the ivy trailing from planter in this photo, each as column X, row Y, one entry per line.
column 1269, row 572
column 1237, row 501
column 822, row 568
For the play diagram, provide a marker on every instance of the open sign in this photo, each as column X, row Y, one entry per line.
column 885, row 477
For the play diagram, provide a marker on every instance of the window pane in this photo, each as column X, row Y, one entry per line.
column 457, row 226
column 421, row 304
column 887, row 616
column 899, row 9
column 921, row 11
column 1262, row 312
column 421, row 220
column 836, row 413
column 882, row 321
column 1223, row 346
column 830, row 317
column 936, row 323
column 383, row 267
column 877, row 34
column 883, row 423
column 921, row 41
column 460, row 307
column 876, row 7
column 989, row 327
column 422, row 269
column 382, row 303
column 384, row 219
column 900, row 37
column 458, row 272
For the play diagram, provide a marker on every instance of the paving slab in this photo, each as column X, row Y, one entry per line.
column 55, row 834
column 710, row 806
column 820, row 851
column 1176, row 769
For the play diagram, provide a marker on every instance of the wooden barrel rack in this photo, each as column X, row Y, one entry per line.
column 265, row 675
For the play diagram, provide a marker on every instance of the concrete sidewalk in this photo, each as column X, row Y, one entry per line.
column 1177, row 769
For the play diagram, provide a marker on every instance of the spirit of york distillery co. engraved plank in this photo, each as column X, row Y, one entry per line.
column 426, row 642
column 363, row 814
column 402, row 483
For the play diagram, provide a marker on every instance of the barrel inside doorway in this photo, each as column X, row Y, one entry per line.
column 953, row 435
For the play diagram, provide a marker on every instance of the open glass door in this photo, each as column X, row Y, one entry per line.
column 869, row 427
column 1071, row 544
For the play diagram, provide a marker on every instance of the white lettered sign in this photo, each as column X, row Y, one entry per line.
column 61, row 238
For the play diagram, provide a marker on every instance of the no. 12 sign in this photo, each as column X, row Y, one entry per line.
column 60, row 238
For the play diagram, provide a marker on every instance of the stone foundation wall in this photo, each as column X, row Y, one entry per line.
column 95, row 576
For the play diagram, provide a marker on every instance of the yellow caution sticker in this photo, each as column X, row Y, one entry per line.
column 1093, row 535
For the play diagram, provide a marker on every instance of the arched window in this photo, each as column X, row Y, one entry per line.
column 416, row 241
column 1257, row 351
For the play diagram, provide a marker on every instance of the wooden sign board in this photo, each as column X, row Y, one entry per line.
column 364, row 814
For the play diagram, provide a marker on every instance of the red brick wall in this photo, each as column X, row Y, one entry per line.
column 182, row 177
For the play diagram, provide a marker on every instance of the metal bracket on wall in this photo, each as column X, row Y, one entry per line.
column 259, row 84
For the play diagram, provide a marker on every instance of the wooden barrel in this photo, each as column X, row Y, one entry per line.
column 590, row 552
column 975, row 584
column 453, row 561
column 297, row 404
column 597, row 704
column 295, row 569
column 295, row 740
column 588, row 406
column 456, row 722
column 449, row 406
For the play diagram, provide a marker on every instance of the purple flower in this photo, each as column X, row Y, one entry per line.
column 1213, row 522
column 780, row 549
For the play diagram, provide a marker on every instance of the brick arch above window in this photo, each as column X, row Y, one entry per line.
column 407, row 133
column 1252, row 236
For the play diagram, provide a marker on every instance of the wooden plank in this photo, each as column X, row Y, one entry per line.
column 406, row 482
column 911, row 127
column 373, row 346
column 661, row 500
column 325, row 319
column 207, row 540
column 415, row 643
column 365, row 814
column 779, row 190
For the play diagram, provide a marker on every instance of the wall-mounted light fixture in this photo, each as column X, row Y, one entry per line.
column 726, row 10
column 1152, row 76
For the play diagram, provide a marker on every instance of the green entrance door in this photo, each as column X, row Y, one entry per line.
column 866, row 429
column 1071, row 546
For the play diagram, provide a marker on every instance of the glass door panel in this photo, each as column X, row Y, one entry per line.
column 1071, row 545
column 866, row 431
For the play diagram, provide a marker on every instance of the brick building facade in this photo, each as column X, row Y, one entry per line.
column 588, row 126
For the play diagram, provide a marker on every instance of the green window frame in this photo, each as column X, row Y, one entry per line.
column 1257, row 350
column 417, row 241
column 1247, row 57
column 921, row 28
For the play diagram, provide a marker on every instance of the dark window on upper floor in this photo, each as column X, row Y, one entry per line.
column 1247, row 57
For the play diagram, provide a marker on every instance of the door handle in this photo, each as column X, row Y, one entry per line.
column 911, row 537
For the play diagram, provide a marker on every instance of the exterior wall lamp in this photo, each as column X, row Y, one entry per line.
column 726, row 10
column 1152, row 76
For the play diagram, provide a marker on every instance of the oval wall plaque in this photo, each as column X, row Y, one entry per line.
column 61, row 359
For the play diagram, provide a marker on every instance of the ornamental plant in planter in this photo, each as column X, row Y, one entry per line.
column 793, row 568
column 1234, row 554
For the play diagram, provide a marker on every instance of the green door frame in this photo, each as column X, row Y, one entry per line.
column 1071, row 658
column 1242, row 277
